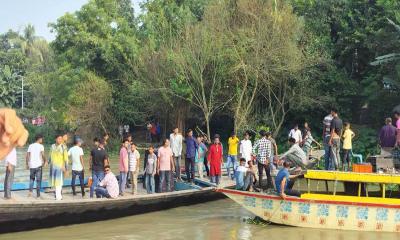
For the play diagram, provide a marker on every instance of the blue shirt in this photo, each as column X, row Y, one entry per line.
column 191, row 146
column 283, row 173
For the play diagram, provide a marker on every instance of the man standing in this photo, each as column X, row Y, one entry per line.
column 387, row 138
column 262, row 152
column 165, row 165
column 11, row 163
column 123, row 166
column 274, row 151
column 98, row 159
column 191, row 146
column 35, row 159
column 246, row 147
column 326, row 135
column 231, row 160
column 397, row 117
column 334, row 141
column 76, row 155
column 296, row 134
column 176, row 140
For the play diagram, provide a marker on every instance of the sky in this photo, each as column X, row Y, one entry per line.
column 16, row 14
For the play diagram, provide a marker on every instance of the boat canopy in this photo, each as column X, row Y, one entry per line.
column 352, row 177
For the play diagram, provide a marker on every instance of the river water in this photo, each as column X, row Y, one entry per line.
column 222, row 219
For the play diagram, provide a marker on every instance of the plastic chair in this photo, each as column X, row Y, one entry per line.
column 359, row 157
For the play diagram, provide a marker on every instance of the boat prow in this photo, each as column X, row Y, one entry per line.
column 323, row 211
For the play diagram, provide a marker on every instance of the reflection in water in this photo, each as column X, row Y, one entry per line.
column 221, row 219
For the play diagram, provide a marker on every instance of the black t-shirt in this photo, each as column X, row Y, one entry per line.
column 337, row 125
column 98, row 157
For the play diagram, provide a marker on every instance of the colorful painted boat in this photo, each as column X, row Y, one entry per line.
column 357, row 210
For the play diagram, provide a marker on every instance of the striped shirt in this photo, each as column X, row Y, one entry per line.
column 262, row 148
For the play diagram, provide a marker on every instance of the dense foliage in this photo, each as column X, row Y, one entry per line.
column 221, row 65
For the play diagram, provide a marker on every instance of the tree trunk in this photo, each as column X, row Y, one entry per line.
column 207, row 118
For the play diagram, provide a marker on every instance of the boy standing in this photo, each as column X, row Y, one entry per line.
column 233, row 142
column 134, row 161
column 76, row 156
column 150, row 171
column 35, row 159
column 347, row 136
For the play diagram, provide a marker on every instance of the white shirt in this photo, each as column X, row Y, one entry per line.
column 296, row 134
column 35, row 150
column 75, row 154
column 246, row 149
column 327, row 124
column 241, row 169
column 133, row 158
column 176, row 144
column 11, row 158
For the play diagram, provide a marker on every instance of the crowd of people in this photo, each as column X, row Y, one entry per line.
column 200, row 154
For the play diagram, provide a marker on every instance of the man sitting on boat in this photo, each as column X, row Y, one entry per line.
column 108, row 187
column 284, row 182
column 297, row 156
column 244, row 176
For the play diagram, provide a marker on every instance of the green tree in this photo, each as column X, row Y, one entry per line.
column 10, row 87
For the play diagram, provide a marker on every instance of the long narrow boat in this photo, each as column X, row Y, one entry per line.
column 358, row 207
column 29, row 213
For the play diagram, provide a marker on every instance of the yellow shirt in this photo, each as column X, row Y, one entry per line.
column 347, row 136
column 233, row 146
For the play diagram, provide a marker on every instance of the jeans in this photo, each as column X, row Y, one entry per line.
column 244, row 180
column 97, row 176
column 8, row 181
column 215, row 179
column 189, row 167
column 165, row 176
column 122, row 182
column 289, row 191
column 81, row 176
column 327, row 152
column 150, row 184
column 231, row 160
column 177, row 167
column 102, row 192
column 35, row 174
column 134, row 177
column 240, row 180
column 265, row 167
column 335, row 154
column 206, row 166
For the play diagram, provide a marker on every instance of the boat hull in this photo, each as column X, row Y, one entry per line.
column 27, row 215
column 319, row 214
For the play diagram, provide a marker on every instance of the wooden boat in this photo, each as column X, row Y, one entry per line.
column 29, row 213
column 356, row 208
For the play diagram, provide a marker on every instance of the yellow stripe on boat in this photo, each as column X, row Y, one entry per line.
column 353, row 177
column 350, row 199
